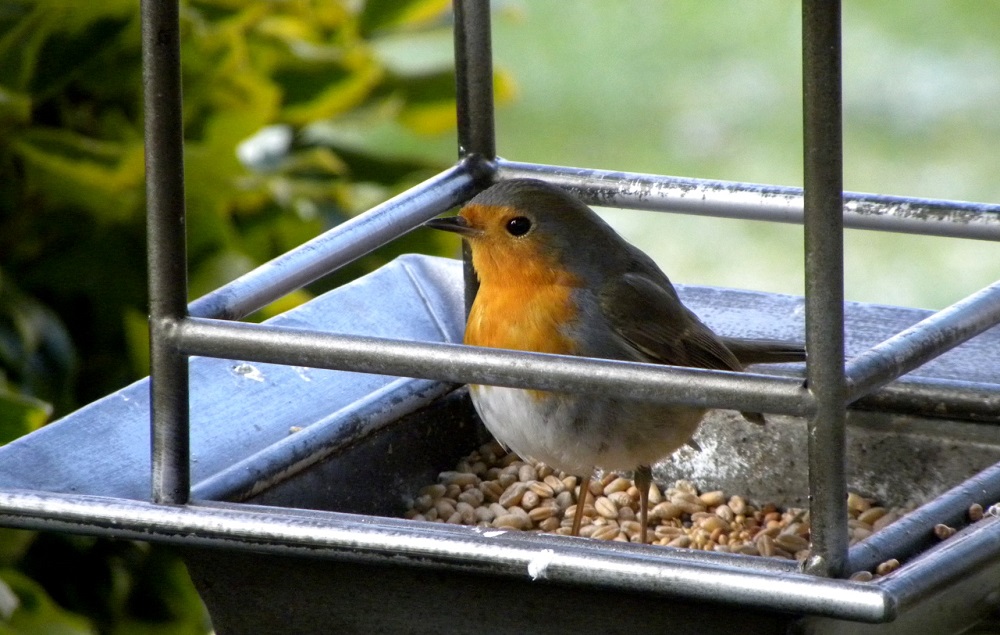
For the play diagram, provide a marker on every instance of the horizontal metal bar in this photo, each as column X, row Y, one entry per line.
column 940, row 398
column 914, row 532
column 341, row 245
column 923, row 341
column 730, row 199
column 949, row 562
column 926, row 397
column 707, row 577
column 467, row 364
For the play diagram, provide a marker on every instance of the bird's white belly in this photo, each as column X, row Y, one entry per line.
column 577, row 434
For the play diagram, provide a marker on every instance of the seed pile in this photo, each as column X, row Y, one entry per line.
column 494, row 488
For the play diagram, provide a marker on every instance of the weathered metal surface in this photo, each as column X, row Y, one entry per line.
column 902, row 461
column 241, row 410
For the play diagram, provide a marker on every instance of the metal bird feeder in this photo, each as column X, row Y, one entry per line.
column 301, row 533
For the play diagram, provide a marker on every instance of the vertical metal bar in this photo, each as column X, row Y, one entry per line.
column 474, row 79
column 824, row 270
column 473, row 99
column 167, row 253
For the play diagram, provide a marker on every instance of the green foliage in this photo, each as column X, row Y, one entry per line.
column 37, row 362
column 120, row 587
column 71, row 149
column 20, row 414
column 380, row 15
column 79, row 585
column 278, row 98
column 32, row 612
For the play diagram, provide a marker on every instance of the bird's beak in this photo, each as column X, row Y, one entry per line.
column 456, row 224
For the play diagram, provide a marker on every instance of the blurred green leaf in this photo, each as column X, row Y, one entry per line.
column 60, row 58
column 13, row 544
column 103, row 177
column 15, row 107
column 385, row 14
column 322, row 92
column 367, row 165
column 37, row 361
column 37, row 614
column 162, row 601
column 428, row 100
column 20, row 414
column 136, row 327
column 20, row 42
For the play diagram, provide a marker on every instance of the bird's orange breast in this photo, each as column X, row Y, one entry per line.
column 525, row 294
column 523, row 317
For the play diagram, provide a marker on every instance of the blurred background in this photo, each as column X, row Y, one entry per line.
column 300, row 114
column 686, row 90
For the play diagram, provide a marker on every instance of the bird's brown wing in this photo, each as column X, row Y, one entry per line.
column 648, row 317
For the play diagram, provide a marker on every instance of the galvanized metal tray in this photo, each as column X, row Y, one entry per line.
column 325, row 462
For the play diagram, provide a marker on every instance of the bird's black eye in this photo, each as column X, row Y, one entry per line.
column 518, row 226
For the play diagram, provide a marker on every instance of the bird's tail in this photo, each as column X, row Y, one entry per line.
column 765, row 351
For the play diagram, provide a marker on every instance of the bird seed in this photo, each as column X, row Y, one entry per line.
column 494, row 488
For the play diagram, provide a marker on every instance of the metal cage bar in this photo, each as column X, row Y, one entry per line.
column 824, row 269
column 167, row 253
column 338, row 246
column 923, row 341
column 354, row 238
column 467, row 364
column 474, row 79
column 384, row 540
column 822, row 201
column 754, row 201
column 474, row 105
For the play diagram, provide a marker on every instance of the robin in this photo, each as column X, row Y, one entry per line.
column 555, row 278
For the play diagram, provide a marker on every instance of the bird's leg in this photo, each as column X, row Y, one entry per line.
column 643, row 477
column 581, row 501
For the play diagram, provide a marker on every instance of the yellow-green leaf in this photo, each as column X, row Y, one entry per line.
column 13, row 544
column 333, row 92
column 136, row 327
column 284, row 303
column 15, row 107
column 383, row 14
column 429, row 118
column 37, row 614
column 20, row 414
column 105, row 177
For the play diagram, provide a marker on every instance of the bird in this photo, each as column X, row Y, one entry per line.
column 554, row 277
